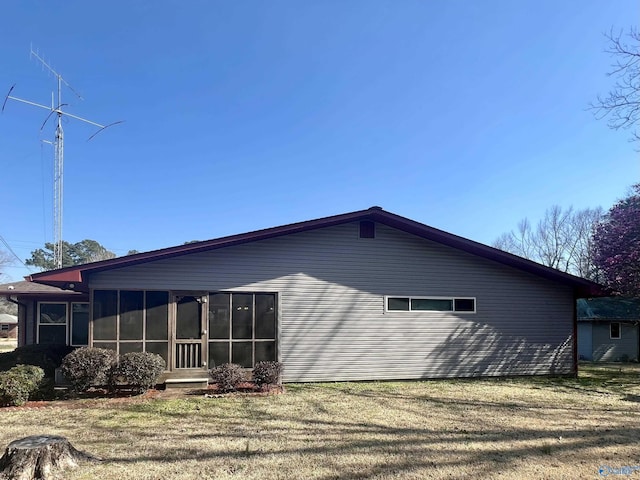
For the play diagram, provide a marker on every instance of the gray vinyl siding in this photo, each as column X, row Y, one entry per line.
column 585, row 341
column 606, row 349
column 332, row 323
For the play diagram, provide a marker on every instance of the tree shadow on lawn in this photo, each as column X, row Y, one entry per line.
column 567, row 385
column 398, row 449
column 239, row 429
column 255, row 430
column 631, row 398
column 599, row 378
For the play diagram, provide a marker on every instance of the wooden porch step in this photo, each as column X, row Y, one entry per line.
column 199, row 382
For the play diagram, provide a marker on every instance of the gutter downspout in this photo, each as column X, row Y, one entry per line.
column 22, row 326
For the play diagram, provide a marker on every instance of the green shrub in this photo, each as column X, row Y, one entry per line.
column 267, row 373
column 47, row 357
column 228, row 376
column 31, row 372
column 140, row 370
column 88, row 366
column 19, row 383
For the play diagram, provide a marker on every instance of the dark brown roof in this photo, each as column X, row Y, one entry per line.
column 77, row 275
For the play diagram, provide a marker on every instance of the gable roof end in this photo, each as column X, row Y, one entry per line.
column 77, row 275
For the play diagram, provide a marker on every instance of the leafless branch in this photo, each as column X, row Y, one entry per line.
column 621, row 106
column 562, row 239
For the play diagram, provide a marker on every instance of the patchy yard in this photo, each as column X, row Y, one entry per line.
column 7, row 344
column 519, row 428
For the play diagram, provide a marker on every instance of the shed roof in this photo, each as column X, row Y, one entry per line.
column 77, row 275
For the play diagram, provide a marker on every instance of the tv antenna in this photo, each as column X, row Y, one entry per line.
column 58, row 146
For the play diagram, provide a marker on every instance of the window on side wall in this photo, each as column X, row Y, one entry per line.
column 614, row 331
column 52, row 323
column 431, row 304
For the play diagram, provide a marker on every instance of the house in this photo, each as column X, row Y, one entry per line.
column 30, row 296
column 358, row 296
column 608, row 329
column 8, row 326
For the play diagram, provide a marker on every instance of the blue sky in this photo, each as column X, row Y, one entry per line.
column 242, row 115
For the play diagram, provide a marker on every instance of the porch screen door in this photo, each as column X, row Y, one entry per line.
column 189, row 332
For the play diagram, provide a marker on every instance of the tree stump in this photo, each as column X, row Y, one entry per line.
column 39, row 457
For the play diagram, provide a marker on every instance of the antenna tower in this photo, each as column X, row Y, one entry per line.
column 58, row 146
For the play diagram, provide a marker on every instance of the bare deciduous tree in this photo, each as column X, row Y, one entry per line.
column 5, row 306
column 622, row 104
column 561, row 240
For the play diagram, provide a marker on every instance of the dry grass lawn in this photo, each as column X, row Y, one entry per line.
column 7, row 344
column 519, row 428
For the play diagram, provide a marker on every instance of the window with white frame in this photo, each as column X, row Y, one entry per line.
column 615, row 330
column 4, row 327
column 431, row 304
column 52, row 323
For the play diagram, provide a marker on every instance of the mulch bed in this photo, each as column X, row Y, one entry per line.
column 246, row 388
column 100, row 396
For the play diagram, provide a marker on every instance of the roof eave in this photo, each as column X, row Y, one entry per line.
column 77, row 275
column 582, row 287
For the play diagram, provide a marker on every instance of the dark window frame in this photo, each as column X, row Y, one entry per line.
column 71, row 323
column 230, row 340
column 126, row 343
